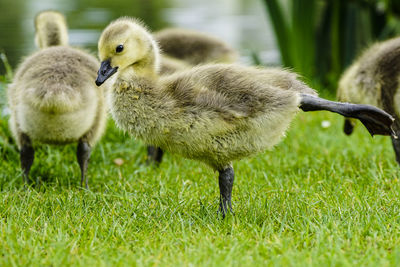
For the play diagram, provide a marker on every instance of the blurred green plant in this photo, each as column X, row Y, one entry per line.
column 9, row 73
column 320, row 38
column 7, row 146
column 4, row 79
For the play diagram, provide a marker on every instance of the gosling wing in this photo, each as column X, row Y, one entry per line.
column 235, row 91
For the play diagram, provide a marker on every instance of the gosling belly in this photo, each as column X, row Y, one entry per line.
column 56, row 128
column 218, row 147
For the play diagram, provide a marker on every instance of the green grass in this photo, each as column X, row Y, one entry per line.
column 319, row 198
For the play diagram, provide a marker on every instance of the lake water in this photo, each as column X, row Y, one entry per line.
column 241, row 23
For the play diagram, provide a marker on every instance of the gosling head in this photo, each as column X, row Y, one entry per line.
column 51, row 29
column 126, row 45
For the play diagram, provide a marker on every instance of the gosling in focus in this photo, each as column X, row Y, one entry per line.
column 53, row 99
column 182, row 49
column 374, row 79
column 213, row 113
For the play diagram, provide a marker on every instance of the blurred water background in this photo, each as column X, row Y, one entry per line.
column 241, row 23
column 316, row 38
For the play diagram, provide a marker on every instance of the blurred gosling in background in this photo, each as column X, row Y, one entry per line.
column 53, row 99
column 213, row 113
column 374, row 79
column 182, row 49
column 193, row 47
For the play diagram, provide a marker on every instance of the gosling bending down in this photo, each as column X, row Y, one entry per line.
column 53, row 99
column 374, row 79
column 211, row 113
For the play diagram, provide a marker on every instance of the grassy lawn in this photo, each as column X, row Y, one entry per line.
column 319, row 198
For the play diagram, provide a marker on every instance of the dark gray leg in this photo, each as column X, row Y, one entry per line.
column 225, row 178
column 396, row 141
column 154, row 155
column 396, row 147
column 83, row 155
column 348, row 127
column 27, row 155
column 374, row 119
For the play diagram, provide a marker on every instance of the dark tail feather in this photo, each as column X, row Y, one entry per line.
column 374, row 119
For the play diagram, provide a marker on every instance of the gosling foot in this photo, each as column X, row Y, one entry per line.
column 83, row 156
column 374, row 119
column 225, row 179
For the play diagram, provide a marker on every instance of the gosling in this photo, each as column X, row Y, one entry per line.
column 53, row 99
column 374, row 79
column 194, row 47
column 213, row 113
column 181, row 49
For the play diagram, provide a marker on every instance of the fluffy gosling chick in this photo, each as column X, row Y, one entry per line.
column 374, row 79
column 182, row 49
column 53, row 99
column 211, row 113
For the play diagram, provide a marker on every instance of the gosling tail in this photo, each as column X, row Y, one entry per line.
column 374, row 119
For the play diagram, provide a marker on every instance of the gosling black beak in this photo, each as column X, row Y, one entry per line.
column 105, row 72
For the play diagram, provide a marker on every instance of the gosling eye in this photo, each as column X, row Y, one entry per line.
column 119, row 48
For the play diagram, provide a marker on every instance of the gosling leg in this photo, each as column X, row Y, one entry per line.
column 396, row 148
column 348, row 126
column 225, row 180
column 374, row 119
column 27, row 155
column 396, row 141
column 83, row 156
column 154, row 155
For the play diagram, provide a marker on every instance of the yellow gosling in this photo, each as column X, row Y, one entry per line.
column 214, row 113
column 374, row 79
column 194, row 47
column 53, row 99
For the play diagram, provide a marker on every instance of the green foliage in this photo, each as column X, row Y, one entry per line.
column 320, row 38
column 8, row 149
column 325, row 200
column 9, row 73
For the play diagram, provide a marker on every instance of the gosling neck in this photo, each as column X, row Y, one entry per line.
column 136, row 72
column 140, row 106
column 51, row 33
column 145, row 68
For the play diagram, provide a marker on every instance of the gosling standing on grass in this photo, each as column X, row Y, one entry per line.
column 211, row 113
column 182, row 49
column 374, row 79
column 53, row 99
